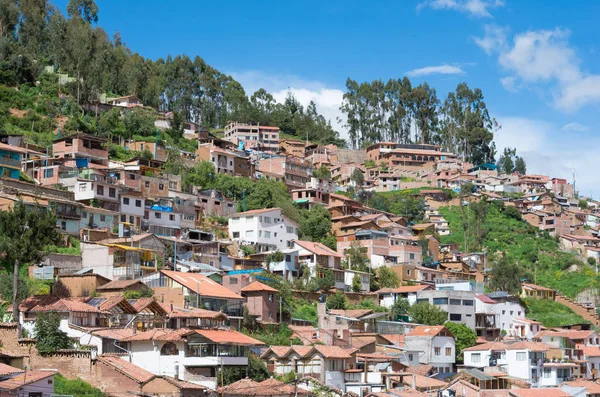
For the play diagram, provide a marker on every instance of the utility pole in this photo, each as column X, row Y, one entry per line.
column 15, row 294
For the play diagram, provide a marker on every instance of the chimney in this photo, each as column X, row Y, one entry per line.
column 413, row 384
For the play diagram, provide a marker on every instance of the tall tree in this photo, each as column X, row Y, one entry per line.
column 427, row 314
column 84, row 9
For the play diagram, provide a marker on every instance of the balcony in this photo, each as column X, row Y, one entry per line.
column 10, row 162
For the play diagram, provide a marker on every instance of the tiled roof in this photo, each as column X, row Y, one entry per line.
column 485, row 299
column 494, row 346
column 51, row 303
column 119, row 284
column 275, row 387
column 407, row 393
column 150, row 303
column 201, row 284
column 422, row 369
column 396, row 339
column 591, row 351
column 317, row 248
column 591, row 387
column 536, row 287
column 533, row 346
column 257, row 286
column 426, row 330
column 404, row 289
column 243, row 387
column 159, row 334
column 115, row 301
column 124, row 240
column 196, row 313
column 334, row 352
column 526, row 320
column 571, row 334
column 114, row 333
column 541, row 392
column 181, row 384
column 8, row 370
column 128, row 369
column 25, row 378
column 228, row 337
column 255, row 212
column 358, row 313
column 424, row 382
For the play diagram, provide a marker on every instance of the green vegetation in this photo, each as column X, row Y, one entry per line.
column 74, row 249
column 256, row 370
column 49, row 337
column 337, row 301
column 509, row 240
column 137, row 294
column 427, row 314
column 275, row 335
column 551, row 313
column 465, row 337
column 75, row 387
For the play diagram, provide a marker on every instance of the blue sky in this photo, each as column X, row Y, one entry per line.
column 536, row 61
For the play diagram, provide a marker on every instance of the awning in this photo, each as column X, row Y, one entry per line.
column 479, row 374
column 374, row 316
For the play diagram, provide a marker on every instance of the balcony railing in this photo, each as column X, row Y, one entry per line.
column 9, row 161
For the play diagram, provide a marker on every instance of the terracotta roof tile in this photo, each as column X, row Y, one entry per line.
column 494, row 346
column 422, row 369
column 244, row 387
column 358, row 313
column 159, row 334
column 335, row 352
column 8, row 370
column 119, row 284
column 533, row 346
column 257, row 286
column 591, row 351
column 228, row 337
column 427, row 330
column 537, row 287
column 591, row 387
column 196, row 313
column 128, row 369
column 542, row 392
column 114, row 333
column 199, row 283
column 255, row 212
column 317, row 248
column 182, row 384
column 25, row 378
column 51, row 303
column 424, row 382
column 404, row 289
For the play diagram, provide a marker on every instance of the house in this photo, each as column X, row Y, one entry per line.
column 524, row 328
column 259, row 137
column 226, row 160
column 38, row 383
column 118, row 261
column 133, row 207
column 269, row 387
column 211, row 202
column 10, row 160
column 84, row 284
column 125, row 101
column 489, row 354
column 460, row 305
column 261, row 302
column 494, row 316
column 436, row 343
column 195, row 290
column 389, row 296
column 537, row 291
column 314, row 255
column 194, row 318
column 326, row 363
column 266, row 229
column 82, row 150
column 294, row 172
column 191, row 355
column 526, row 360
column 120, row 287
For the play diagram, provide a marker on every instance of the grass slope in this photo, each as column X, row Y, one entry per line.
column 537, row 252
column 551, row 313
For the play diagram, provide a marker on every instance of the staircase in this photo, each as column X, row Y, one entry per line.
column 588, row 313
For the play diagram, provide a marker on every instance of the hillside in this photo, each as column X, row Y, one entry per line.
column 503, row 234
column 551, row 313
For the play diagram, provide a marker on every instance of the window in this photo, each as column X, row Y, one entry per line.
column 455, row 317
column 147, row 184
column 440, row 301
column 233, row 281
column 521, row 356
column 410, row 356
column 519, row 313
column 289, row 229
column 157, row 215
column 161, row 186
column 125, row 200
column 511, row 312
column 132, row 177
column 249, row 233
column 100, row 190
column 48, row 172
column 260, row 233
column 171, row 217
column 455, row 302
column 448, row 351
column 437, row 351
column 123, row 218
column 267, row 234
column 236, row 234
column 271, row 297
column 476, row 357
column 267, row 219
column 138, row 203
column 503, row 312
column 112, row 192
column 468, row 302
column 83, row 187
column 102, row 218
column 546, row 372
column 169, row 349
column 288, row 258
column 411, row 256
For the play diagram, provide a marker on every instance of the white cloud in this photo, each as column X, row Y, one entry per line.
column 548, row 150
column 494, row 38
column 544, row 57
column 509, row 83
column 474, row 8
column 327, row 99
column 575, row 127
column 429, row 70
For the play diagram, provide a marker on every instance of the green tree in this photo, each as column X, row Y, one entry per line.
column 357, row 258
column 271, row 194
column 337, row 301
column 324, row 280
column 583, row 204
column 322, row 173
column 315, row 224
column 24, row 235
column 84, row 9
column 506, row 162
column 399, row 308
column 49, row 337
column 520, row 166
column 140, row 121
column 464, row 336
column 411, row 207
column 256, row 370
column 427, row 314
column 74, row 387
column 387, row 278
column 203, row 175
column 506, row 276
column 357, row 177
column 356, row 282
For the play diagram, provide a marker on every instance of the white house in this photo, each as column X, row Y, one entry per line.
column 191, row 355
column 437, row 345
column 266, row 229
column 524, row 328
column 495, row 317
column 133, row 205
column 525, row 360
column 490, row 354
column 389, row 296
